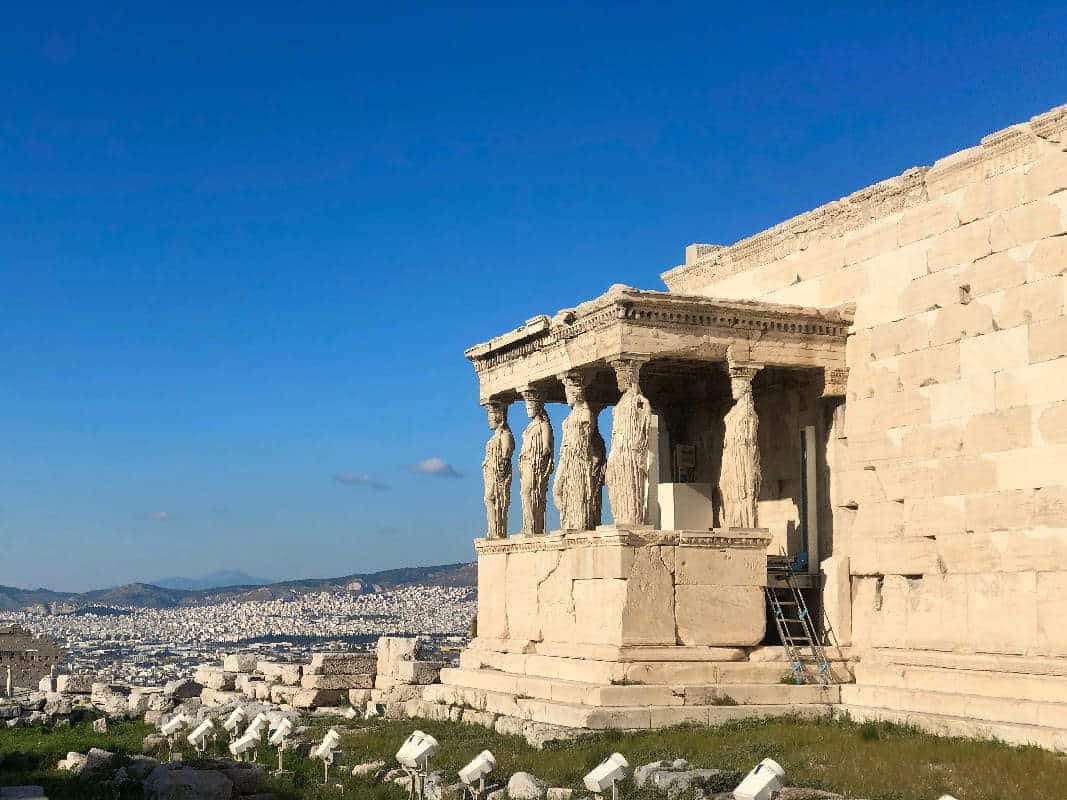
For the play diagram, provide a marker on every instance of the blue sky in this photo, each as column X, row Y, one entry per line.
column 242, row 250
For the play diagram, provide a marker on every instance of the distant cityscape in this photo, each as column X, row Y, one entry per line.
column 147, row 646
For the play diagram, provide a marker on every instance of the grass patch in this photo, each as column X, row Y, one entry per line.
column 878, row 761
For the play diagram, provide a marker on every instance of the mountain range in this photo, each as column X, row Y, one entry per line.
column 147, row 595
column 213, row 580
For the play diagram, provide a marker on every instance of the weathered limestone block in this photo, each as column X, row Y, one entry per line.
column 239, row 662
column 338, row 681
column 1006, row 429
column 215, row 678
column 960, row 246
column 492, row 599
column 284, row 695
column 1048, row 339
column 496, row 471
column 419, row 673
column 525, row 573
column 75, row 684
column 288, row 674
column 394, row 650
column 316, row 698
column 598, row 609
column 721, row 567
column 961, row 321
column 1033, row 302
column 1035, row 384
column 342, row 664
column 648, row 617
column 720, row 615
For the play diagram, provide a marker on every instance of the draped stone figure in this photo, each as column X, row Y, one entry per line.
column 740, row 478
column 572, row 490
column 627, row 472
column 535, row 465
column 496, row 471
column 598, row 469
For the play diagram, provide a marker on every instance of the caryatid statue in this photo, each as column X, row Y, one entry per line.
column 535, row 464
column 496, row 470
column 598, row 468
column 572, row 490
column 627, row 473
column 740, row 478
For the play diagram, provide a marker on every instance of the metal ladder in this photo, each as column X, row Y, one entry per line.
column 809, row 662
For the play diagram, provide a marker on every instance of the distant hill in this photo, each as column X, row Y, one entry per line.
column 213, row 580
column 147, row 595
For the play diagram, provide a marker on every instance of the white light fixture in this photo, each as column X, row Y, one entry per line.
column 258, row 725
column 279, row 740
column 325, row 752
column 414, row 756
column 762, row 783
column 233, row 722
column 417, row 750
column 173, row 725
column 281, row 732
column 474, row 774
column 607, row 775
column 198, row 738
column 243, row 745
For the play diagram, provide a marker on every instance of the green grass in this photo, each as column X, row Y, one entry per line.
column 872, row 760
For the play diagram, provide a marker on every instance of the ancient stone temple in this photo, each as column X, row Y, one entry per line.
column 29, row 657
column 871, row 398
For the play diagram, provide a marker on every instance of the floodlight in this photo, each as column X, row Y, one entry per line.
column 946, row 797
column 607, row 775
column 330, row 742
column 258, row 724
column 198, row 738
column 279, row 740
column 762, row 783
column 243, row 745
column 174, row 724
column 417, row 750
column 325, row 751
column 237, row 716
column 474, row 774
column 281, row 732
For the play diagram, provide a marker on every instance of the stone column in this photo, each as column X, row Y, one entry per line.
column 627, row 468
column 496, row 470
column 535, row 463
column 740, row 477
column 581, row 459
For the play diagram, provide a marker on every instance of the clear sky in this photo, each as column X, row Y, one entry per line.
column 242, row 250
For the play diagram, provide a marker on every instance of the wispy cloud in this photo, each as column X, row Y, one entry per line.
column 359, row 480
column 437, row 467
column 158, row 516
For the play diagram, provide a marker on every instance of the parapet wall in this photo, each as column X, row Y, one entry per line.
column 949, row 458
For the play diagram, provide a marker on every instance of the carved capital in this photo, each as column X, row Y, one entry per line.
column 741, row 376
column 574, row 383
column 627, row 368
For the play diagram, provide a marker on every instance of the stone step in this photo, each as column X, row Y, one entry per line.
column 983, row 709
column 676, row 673
column 945, row 725
column 22, row 793
column 572, row 715
column 582, row 693
column 1040, row 688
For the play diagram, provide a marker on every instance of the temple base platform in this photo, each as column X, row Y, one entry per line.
column 623, row 629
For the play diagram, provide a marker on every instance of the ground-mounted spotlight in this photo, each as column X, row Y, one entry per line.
column 258, row 725
column 233, row 723
column 607, row 775
column 200, row 735
column 172, row 729
column 414, row 756
column 245, row 747
column 279, row 739
column 764, row 782
column 326, row 751
column 474, row 774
